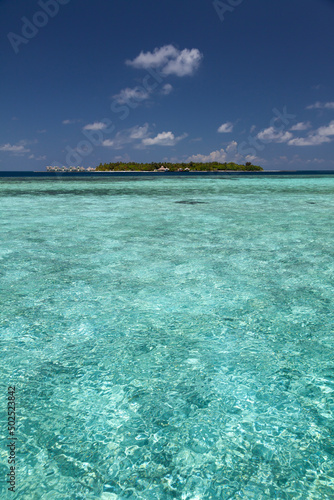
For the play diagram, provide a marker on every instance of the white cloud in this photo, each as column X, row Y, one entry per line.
column 95, row 126
column 155, row 59
column 139, row 132
column 232, row 147
column 225, row 128
column 312, row 140
column 219, row 155
column 169, row 60
column 38, row 158
column 326, row 131
column 321, row 105
column 137, row 93
column 167, row 89
column 139, row 136
column 15, row 149
column 301, row 126
column 251, row 158
column 69, row 122
column 229, row 154
column 320, row 136
column 127, row 136
column 185, row 64
column 108, row 143
column 270, row 134
column 163, row 139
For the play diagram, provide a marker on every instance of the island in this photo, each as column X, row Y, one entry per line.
column 159, row 167
column 176, row 167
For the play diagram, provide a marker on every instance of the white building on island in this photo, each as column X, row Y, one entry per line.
column 69, row 169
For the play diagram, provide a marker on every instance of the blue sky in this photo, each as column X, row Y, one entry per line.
column 85, row 82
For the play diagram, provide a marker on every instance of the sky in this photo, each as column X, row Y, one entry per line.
column 87, row 82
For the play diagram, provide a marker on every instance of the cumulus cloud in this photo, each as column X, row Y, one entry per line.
column 186, row 63
column 326, row 131
column 167, row 89
column 320, row 136
column 225, row 128
column 137, row 93
column 139, row 132
column 232, row 147
column 156, row 59
column 321, row 105
column 15, row 149
column 218, row 155
column 270, row 134
column 301, row 126
column 139, row 136
column 127, row 136
column 95, row 126
column 169, row 60
column 163, row 139
column 229, row 154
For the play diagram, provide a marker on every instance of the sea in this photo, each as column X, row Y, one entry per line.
column 167, row 336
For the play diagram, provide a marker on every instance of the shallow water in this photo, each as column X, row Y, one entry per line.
column 169, row 338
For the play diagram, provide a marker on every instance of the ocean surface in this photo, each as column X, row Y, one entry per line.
column 168, row 338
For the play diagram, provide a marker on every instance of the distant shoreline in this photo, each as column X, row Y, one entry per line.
column 128, row 173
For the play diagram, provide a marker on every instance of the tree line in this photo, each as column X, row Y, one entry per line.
column 174, row 167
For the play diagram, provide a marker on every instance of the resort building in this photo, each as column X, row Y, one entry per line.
column 69, row 169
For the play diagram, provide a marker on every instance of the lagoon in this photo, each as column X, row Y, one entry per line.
column 169, row 337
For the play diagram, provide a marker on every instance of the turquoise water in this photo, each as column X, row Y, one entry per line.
column 169, row 338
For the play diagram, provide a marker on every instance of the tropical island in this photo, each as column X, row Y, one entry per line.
column 176, row 167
